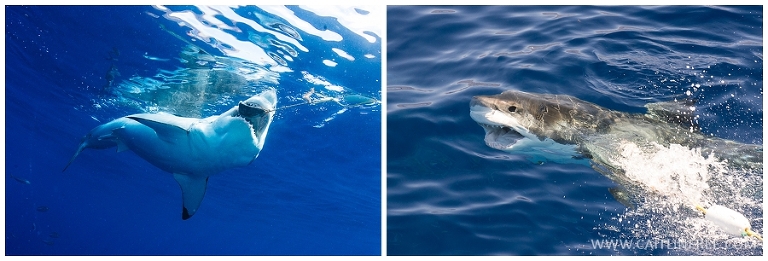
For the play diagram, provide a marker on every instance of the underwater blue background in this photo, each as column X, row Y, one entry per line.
column 314, row 189
column 450, row 194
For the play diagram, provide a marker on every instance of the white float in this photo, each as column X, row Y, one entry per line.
column 732, row 222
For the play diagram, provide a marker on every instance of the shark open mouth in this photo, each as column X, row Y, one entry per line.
column 255, row 115
column 501, row 137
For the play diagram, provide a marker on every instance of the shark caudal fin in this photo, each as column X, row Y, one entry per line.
column 101, row 137
column 79, row 149
column 192, row 193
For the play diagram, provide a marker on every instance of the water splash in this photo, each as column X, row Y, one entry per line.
column 674, row 179
column 675, row 171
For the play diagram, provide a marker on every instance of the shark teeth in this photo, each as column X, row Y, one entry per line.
column 491, row 125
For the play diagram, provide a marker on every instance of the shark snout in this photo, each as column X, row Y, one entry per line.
column 486, row 101
column 249, row 109
column 266, row 101
column 479, row 101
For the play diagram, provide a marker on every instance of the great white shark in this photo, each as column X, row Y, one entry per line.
column 192, row 149
column 565, row 129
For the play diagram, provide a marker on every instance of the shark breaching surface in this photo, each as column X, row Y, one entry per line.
column 191, row 149
column 564, row 129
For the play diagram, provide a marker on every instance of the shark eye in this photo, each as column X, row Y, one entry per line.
column 512, row 109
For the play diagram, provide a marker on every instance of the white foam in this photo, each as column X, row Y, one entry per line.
column 675, row 178
column 674, row 171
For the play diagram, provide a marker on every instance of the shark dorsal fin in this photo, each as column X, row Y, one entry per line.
column 678, row 112
column 168, row 127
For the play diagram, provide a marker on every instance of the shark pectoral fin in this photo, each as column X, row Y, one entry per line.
column 168, row 132
column 192, row 192
column 622, row 196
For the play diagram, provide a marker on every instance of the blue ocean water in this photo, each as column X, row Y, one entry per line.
column 450, row 194
column 314, row 189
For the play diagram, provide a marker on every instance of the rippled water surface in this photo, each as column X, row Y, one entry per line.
column 314, row 189
column 450, row 194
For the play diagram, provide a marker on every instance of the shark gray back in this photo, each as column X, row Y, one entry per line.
column 621, row 146
column 514, row 118
column 561, row 118
column 660, row 158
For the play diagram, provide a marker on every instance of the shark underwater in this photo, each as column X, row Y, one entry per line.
column 565, row 129
column 192, row 149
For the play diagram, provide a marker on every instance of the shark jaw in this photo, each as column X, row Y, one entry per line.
column 506, row 133
column 501, row 137
column 258, row 111
column 502, row 132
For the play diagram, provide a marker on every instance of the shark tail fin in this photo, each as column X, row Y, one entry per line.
column 192, row 193
column 79, row 149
